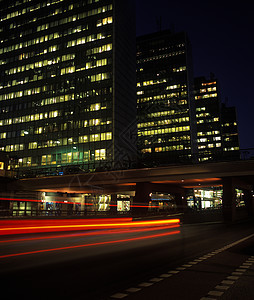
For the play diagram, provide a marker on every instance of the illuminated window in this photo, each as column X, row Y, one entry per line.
column 94, row 122
column 100, row 154
column 104, row 21
column 83, row 139
column 3, row 135
column 86, row 155
column 69, row 157
column 147, row 150
column 95, row 106
column 202, row 140
column 106, row 136
column 179, row 69
column 32, row 145
column 99, row 77
column 94, row 137
column 43, row 160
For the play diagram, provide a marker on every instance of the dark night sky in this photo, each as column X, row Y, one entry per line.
column 221, row 34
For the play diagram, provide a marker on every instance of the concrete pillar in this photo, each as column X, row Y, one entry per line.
column 113, row 204
column 181, row 202
column 142, row 198
column 194, row 201
column 249, row 202
column 228, row 200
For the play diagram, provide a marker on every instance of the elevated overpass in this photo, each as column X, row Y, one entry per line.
column 174, row 179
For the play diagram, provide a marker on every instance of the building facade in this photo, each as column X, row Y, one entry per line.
column 68, row 85
column 230, row 137
column 208, row 116
column 217, row 134
column 166, row 116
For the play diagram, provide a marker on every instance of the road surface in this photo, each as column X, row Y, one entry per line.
column 195, row 261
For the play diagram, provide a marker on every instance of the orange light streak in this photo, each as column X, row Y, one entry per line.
column 92, row 244
column 86, row 224
column 23, row 225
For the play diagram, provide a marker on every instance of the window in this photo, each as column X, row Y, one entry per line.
column 100, row 154
column 100, row 76
column 94, row 122
column 83, row 139
column 106, row 136
column 86, row 155
column 69, row 157
column 148, row 150
column 95, row 106
column 32, row 145
column 64, row 157
column 104, row 21
column 3, row 135
column 94, row 137
column 43, row 160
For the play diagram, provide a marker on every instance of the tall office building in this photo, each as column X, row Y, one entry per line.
column 68, row 84
column 208, row 115
column 216, row 124
column 166, row 116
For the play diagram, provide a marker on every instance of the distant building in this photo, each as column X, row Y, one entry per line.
column 67, row 84
column 166, row 116
column 230, row 138
column 217, row 135
column 208, row 116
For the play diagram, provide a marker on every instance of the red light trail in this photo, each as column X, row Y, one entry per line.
column 91, row 244
column 35, row 226
column 96, row 233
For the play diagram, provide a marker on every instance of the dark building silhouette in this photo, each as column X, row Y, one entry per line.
column 67, row 85
column 166, row 116
column 230, row 138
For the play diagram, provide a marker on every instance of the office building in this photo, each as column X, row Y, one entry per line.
column 217, row 135
column 230, row 138
column 67, row 84
column 166, row 116
column 208, row 116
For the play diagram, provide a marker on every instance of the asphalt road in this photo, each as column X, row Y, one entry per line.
column 187, row 262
